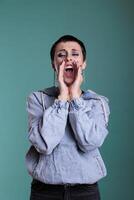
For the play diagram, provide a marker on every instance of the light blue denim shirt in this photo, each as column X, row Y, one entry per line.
column 65, row 137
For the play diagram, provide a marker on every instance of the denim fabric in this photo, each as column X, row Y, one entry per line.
column 65, row 137
column 40, row 191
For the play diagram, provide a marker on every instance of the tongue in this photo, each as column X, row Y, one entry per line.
column 69, row 73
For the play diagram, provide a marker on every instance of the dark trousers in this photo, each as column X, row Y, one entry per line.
column 41, row 191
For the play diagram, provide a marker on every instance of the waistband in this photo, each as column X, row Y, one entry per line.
column 61, row 186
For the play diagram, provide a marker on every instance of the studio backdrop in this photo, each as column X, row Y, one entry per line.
column 27, row 30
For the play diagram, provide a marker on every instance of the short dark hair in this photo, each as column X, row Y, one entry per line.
column 67, row 38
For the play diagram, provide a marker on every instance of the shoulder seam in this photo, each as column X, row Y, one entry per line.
column 33, row 93
column 104, row 109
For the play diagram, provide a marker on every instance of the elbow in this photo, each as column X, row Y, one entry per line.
column 41, row 149
column 95, row 142
column 86, row 148
column 47, row 151
column 39, row 144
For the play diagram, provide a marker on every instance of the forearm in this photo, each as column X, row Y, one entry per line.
column 47, row 130
column 88, row 124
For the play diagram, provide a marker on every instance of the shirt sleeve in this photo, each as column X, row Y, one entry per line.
column 45, row 127
column 89, row 124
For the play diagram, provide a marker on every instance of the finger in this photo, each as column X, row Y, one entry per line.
column 80, row 68
column 61, row 69
column 75, row 69
column 79, row 73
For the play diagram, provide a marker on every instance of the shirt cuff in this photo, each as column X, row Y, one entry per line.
column 59, row 104
column 77, row 104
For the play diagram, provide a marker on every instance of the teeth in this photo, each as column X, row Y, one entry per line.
column 68, row 67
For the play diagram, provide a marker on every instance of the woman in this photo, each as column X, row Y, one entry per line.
column 66, row 128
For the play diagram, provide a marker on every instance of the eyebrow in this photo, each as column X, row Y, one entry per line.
column 61, row 50
column 75, row 50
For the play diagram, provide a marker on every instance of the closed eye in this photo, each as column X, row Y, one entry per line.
column 75, row 54
column 61, row 55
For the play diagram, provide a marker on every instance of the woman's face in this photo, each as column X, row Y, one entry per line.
column 71, row 53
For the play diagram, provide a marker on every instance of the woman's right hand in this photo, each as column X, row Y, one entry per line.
column 64, row 91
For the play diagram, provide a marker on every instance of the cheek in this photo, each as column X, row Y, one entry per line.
column 58, row 61
column 79, row 61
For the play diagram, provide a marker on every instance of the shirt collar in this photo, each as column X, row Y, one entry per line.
column 54, row 92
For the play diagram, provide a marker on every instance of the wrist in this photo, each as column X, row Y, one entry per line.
column 75, row 94
column 64, row 94
column 63, row 97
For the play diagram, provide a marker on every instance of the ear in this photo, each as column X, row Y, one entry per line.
column 84, row 65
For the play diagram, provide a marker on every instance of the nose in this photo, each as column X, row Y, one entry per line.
column 68, row 58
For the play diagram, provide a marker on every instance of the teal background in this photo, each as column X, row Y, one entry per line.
column 27, row 30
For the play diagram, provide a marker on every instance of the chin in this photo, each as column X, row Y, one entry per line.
column 69, row 83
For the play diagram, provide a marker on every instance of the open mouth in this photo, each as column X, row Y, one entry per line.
column 69, row 71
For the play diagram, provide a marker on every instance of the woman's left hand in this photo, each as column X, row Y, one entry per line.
column 74, row 89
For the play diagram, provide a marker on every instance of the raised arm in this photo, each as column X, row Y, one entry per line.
column 89, row 123
column 45, row 127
